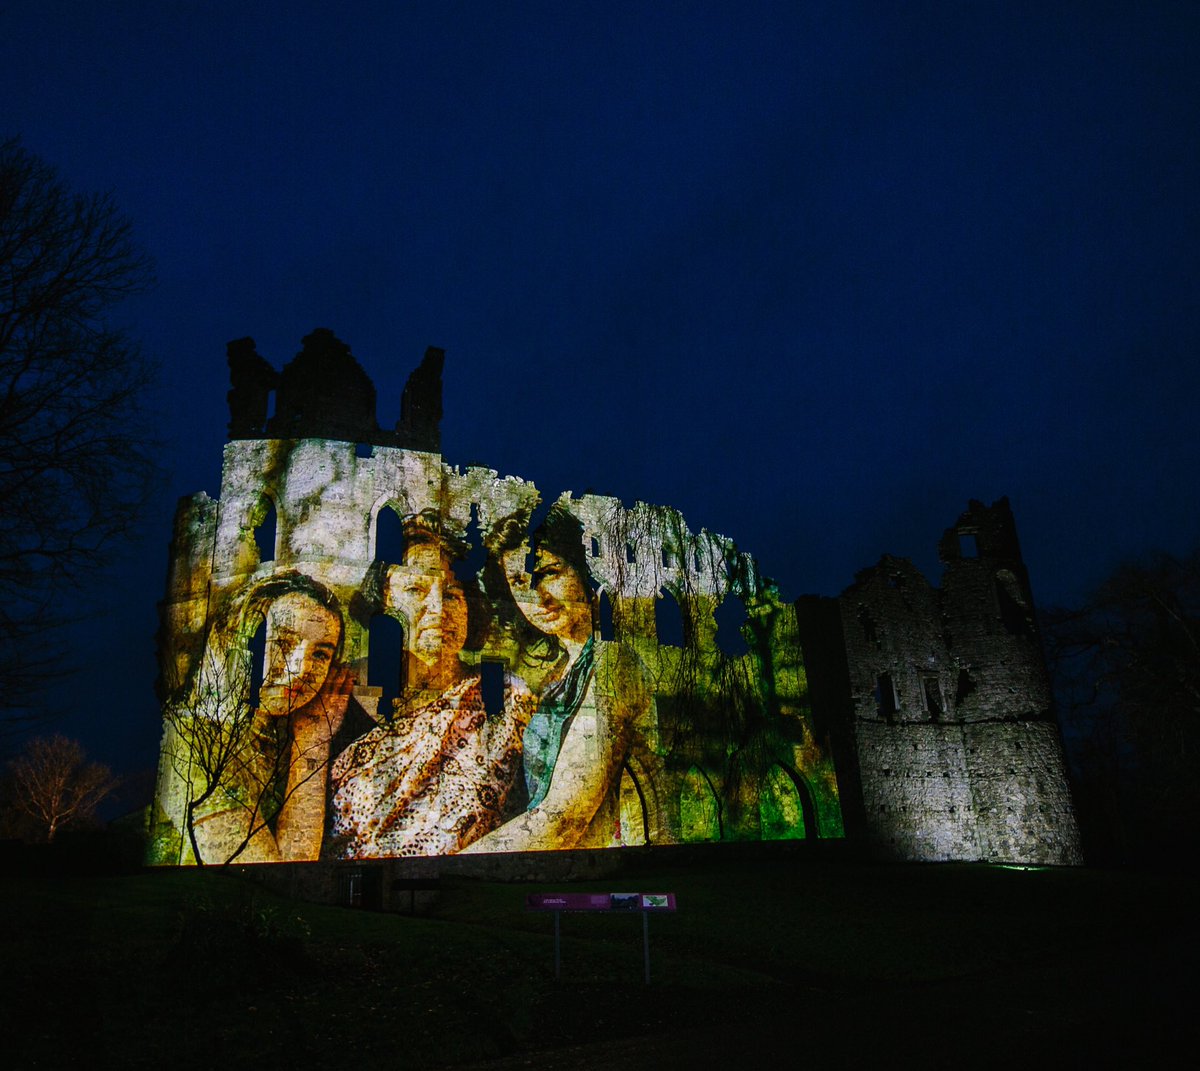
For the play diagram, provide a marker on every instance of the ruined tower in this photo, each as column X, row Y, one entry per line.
column 955, row 745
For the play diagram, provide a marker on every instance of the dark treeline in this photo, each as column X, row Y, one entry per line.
column 1126, row 669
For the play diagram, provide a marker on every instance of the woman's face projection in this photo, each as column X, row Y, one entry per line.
column 302, row 643
column 563, row 607
column 433, row 603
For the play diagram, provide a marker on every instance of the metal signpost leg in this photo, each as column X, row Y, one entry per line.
column 646, row 942
column 560, row 902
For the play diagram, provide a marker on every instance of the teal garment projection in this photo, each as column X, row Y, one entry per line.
column 544, row 734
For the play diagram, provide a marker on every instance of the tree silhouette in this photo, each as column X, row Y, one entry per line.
column 1126, row 665
column 220, row 750
column 55, row 785
column 74, row 459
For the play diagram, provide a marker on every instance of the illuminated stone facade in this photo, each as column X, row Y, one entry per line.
column 957, row 751
column 596, row 734
column 535, row 704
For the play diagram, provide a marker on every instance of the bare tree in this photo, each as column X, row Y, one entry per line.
column 74, row 460
column 55, row 785
column 1126, row 666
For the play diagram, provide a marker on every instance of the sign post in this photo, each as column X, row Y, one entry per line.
column 644, row 903
column 646, row 942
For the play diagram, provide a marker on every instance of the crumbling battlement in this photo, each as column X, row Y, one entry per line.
column 323, row 393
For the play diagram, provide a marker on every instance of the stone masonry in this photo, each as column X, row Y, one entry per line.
column 957, row 752
column 914, row 719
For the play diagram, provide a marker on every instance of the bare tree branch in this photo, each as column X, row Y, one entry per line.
column 56, row 786
column 1126, row 666
column 239, row 770
column 75, row 459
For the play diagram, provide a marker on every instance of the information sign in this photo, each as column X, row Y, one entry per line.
column 600, row 902
column 644, row 904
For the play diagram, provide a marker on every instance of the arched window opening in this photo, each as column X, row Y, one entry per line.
column 931, row 694
column 604, row 617
column 887, row 702
column 257, row 646
column 364, row 450
column 668, row 620
column 699, row 809
column 385, row 661
column 469, row 567
column 731, row 618
column 634, row 829
column 491, row 685
column 265, row 534
column 781, row 807
column 536, row 519
column 389, row 536
column 867, row 623
column 964, row 688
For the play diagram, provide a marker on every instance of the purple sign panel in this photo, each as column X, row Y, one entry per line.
column 600, row 902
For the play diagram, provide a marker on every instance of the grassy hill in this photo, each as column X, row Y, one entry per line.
column 848, row 964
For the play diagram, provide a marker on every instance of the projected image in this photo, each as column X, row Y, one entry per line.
column 438, row 775
column 544, row 699
column 588, row 706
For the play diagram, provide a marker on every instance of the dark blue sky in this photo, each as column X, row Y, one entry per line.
column 815, row 274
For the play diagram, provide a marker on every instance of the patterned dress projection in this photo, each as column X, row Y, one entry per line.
column 433, row 781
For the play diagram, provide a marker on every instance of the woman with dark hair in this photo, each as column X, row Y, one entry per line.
column 577, row 740
column 272, row 802
column 563, row 609
column 440, row 774
column 304, row 640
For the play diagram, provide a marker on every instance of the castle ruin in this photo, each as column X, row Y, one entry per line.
column 538, row 702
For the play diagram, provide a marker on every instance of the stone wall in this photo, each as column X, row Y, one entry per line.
column 911, row 718
column 957, row 751
column 707, row 735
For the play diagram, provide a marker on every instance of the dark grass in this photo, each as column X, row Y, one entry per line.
column 849, row 964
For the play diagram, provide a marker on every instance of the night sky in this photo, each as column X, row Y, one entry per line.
column 814, row 274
